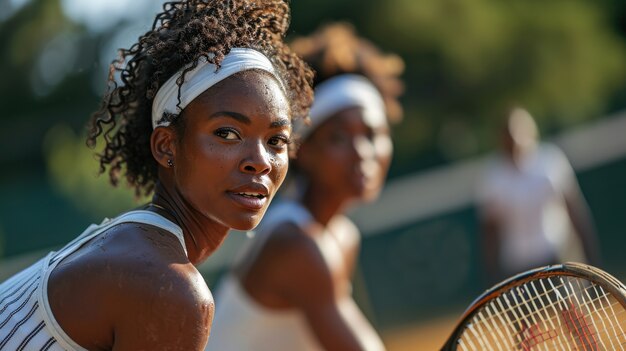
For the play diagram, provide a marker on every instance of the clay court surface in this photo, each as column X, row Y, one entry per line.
column 426, row 336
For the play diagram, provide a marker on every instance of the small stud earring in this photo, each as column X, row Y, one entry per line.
column 170, row 163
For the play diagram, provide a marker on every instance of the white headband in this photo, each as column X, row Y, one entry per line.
column 201, row 78
column 339, row 93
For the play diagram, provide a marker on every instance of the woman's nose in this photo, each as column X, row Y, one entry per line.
column 258, row 159
column 363, row 147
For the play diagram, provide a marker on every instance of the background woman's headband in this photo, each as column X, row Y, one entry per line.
column 201, row 78
column 342, row 92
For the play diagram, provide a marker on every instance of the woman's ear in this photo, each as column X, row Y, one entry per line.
column 163, row 145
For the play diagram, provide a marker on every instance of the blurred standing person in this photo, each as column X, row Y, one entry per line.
column 291, row 287
column 530, row 204
column 201, row 117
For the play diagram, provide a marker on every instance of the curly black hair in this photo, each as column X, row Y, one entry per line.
column 335, row 49
column 184, row 32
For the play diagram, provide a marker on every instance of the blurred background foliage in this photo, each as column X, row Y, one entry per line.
column 466, row 60
column 64, row 150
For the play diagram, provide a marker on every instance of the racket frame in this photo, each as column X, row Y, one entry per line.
column 574, row 269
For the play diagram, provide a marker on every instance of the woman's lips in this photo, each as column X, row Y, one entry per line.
column 249, row 200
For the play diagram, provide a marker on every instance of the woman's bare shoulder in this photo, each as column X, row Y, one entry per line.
column 147, row 260
column 293, row 253
column 130, row 277
column 346, row 230
column 289, row 239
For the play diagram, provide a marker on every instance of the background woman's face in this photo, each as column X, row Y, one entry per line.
column 348, row 156
column 233, row 155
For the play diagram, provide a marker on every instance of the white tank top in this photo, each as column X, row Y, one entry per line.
column 26, row 320
column 240, row 322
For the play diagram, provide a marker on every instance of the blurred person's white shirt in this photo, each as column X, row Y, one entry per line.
column 528, row 202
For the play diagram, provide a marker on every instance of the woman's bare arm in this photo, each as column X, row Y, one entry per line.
column 308, row 284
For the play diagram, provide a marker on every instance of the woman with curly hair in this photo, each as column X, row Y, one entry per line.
column 290, row 288
column 200, row 115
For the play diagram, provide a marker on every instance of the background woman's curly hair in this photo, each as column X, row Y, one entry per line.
column 335, row 49
column 180, row 35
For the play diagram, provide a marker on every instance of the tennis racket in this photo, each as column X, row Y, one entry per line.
column 568, row 306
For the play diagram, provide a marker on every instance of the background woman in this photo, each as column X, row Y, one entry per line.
column 201, row 117
column 291, row 289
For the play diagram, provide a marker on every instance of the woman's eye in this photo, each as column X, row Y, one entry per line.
column 227, row 134
column 338, row 138
column 279, row 141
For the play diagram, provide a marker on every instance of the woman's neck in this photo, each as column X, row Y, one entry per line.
column 202, row 235
column 324, row 205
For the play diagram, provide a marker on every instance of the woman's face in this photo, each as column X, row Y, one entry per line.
column 348, row 156
column 232, row 156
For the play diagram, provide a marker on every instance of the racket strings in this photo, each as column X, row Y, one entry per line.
column 528, row 341
column 531, row 311
column 578, row 323
column 528, row 311
column 526, row 338
column 567, row 311
column 608, row 305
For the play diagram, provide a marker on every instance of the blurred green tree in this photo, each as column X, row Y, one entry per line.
column 46, row 66
column 73, row 172
column 53, row 75
column 467, row 60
